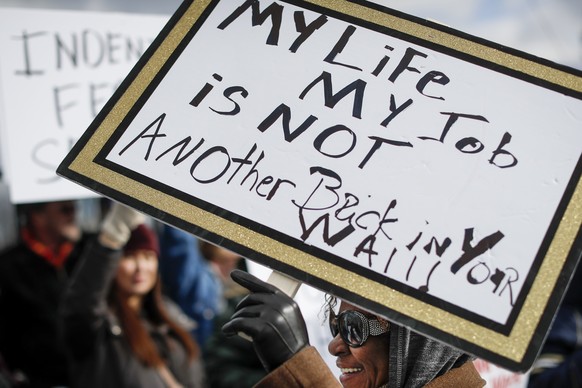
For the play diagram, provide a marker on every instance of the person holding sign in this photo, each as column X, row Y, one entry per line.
column 371, row 352
column 117, row 329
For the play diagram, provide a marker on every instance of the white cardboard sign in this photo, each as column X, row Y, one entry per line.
column 419, row 172
column 57, row 71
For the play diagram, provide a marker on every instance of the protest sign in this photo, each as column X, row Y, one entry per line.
column 57, row 71
column 419, row 172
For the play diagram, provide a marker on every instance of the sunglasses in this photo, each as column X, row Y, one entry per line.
column 354, row 327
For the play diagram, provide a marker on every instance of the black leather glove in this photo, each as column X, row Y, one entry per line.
column 271, row 318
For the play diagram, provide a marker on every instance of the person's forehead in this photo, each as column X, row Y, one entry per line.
column 225, row 254
column 139, row 253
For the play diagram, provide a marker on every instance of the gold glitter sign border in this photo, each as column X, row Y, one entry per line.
column 515, row 351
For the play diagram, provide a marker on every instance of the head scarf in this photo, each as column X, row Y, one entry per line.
column 416, row 360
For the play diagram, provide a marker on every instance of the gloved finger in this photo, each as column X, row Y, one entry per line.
column 253, row 311
column 251, row 282
column 250, row 326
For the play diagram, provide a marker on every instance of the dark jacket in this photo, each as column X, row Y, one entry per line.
column 560, row 361
column 30, row 294
column 231, row 361
column 100, row 355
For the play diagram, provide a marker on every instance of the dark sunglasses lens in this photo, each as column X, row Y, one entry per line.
column 352, row 328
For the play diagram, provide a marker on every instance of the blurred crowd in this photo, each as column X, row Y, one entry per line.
column 133, row 302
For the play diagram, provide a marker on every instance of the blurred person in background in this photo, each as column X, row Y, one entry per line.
column 33, row 277
column 116, row 326
column 222, row 260
column 229, row 361
column 189, row 280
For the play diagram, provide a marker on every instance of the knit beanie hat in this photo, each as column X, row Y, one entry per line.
column 142, row 238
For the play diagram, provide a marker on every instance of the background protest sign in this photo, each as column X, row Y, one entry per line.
column 57, row 71
column 419, row 172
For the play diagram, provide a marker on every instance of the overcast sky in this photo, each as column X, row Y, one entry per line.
column 551, row 29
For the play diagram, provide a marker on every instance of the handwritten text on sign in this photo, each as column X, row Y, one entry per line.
column 434, row 172
column 57, row 70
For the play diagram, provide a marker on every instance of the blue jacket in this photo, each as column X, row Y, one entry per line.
column 189, row 280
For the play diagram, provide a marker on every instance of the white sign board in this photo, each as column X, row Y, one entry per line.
column 417, row 171
column 57, row 70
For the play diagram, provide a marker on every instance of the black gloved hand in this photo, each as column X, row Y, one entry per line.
column 271, row 318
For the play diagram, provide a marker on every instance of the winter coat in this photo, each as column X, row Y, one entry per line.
column 415, row 362
column 31, row 290
column 100, row 355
